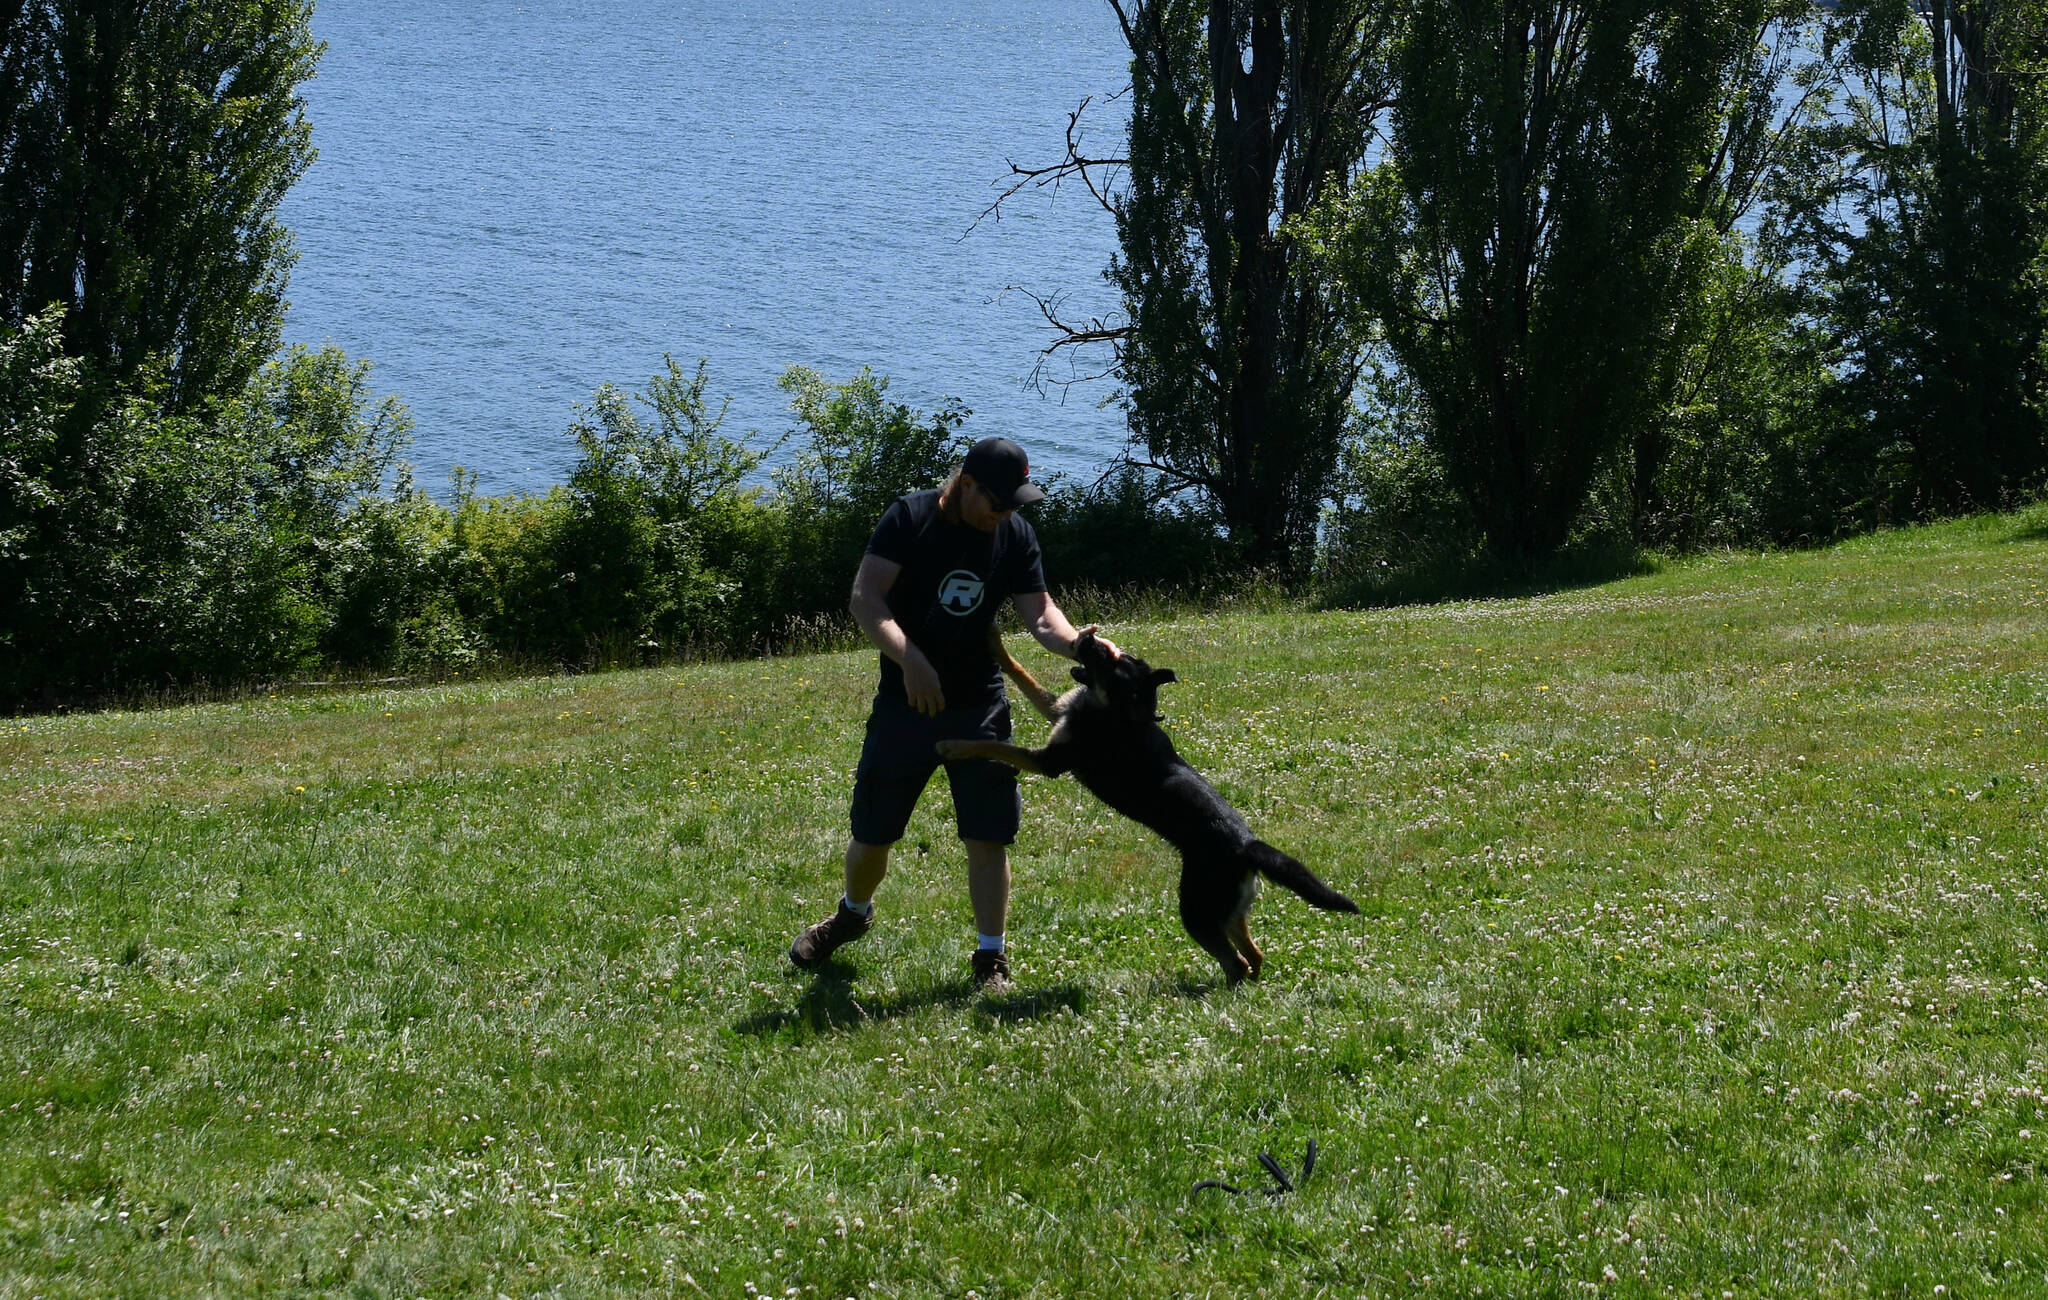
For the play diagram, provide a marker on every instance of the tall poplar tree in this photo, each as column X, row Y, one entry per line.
column 144, row 148
column 1239, row 359
column 1536, row 233
column 1925, row 226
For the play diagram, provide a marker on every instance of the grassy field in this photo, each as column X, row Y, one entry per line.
column 1702, row 955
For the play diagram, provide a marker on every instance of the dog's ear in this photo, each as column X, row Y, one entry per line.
column 1161, row 676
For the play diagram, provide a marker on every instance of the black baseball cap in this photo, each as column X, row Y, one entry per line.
column 1001, row 466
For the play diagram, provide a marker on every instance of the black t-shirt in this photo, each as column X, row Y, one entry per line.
column 953, row 579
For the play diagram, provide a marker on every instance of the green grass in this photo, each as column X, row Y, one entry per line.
column 1701, row 955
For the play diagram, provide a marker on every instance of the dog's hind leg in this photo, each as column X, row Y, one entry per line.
column 1207, row 916
column 1239, row 931
column 1213, row 939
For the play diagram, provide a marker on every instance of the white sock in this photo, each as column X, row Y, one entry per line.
column 988, row 942
column 864, row 909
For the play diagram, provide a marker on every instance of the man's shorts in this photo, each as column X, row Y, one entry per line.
column 898, row 758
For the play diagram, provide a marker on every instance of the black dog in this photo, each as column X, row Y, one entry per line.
column 1106, row 732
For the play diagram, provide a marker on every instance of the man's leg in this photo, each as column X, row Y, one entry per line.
column 986, row 810
column 988, row 884
column 988, row 889
column 866, row 865
column 895, row 762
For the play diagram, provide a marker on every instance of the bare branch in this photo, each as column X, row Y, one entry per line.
column 1180, row 476
column 1076, row 165
column 1095, row 331
column 1069, row 336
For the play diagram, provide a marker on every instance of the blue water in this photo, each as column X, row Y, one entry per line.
column 515, row 203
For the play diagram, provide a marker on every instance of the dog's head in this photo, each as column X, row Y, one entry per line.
column 1126, row 683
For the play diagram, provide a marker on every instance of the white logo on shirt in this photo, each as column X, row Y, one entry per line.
column 960, row 593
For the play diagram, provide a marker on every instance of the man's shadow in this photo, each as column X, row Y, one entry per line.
column 829, row 1004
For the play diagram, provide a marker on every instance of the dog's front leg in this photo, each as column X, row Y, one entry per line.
column 1038, row 762
column 1041, row 698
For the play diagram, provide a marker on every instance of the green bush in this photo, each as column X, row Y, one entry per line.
column 637, row 561
column 498, row 570
column 1396, row 514
column 140, row 549
column 349, row 539
column 860, row 452
column 1124, row 533
column 130, row 554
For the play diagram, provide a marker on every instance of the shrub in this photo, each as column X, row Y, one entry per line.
column 1396, row 516
column 861, row 452
column 1125, row 532
column 128, row 551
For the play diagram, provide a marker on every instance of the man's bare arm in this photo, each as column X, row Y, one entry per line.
column 870, row 608
column 1048, row 624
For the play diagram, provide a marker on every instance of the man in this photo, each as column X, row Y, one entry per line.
column 926, row 594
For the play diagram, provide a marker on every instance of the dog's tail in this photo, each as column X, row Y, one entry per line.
column 1041, row 698
column 1290, row 874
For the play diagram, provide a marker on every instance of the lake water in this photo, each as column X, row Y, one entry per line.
column 515, row 203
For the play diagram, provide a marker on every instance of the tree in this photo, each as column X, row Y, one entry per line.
column 635, row 561
column 1924, row 221
column 1989, row 315
column 144, row 148
column 1237, row 358
column 1539, row 231
column 1738, row 362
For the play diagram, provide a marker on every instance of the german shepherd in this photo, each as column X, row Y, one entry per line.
column 1106, row 732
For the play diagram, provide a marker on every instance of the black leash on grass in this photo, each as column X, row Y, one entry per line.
column 1308, row 1166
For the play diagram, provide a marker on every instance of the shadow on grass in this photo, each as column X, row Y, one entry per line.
column 829, row 1004
column 1019, row 1005
column 1485, row 576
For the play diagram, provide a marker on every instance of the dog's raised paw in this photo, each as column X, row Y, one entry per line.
column 951, row 749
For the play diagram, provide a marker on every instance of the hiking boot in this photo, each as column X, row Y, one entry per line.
column 828, row 936
column 991, row 969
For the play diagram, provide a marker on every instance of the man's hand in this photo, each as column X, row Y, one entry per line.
column 1094, row 630
column 921, row 684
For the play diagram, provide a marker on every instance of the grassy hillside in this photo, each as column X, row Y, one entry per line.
column 1702, row 955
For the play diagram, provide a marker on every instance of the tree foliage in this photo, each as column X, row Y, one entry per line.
column 1740, row 363
column 144, row 148
column 140, row 547
column 1921, row 214
column 1537, row 238
column 1239, row 359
